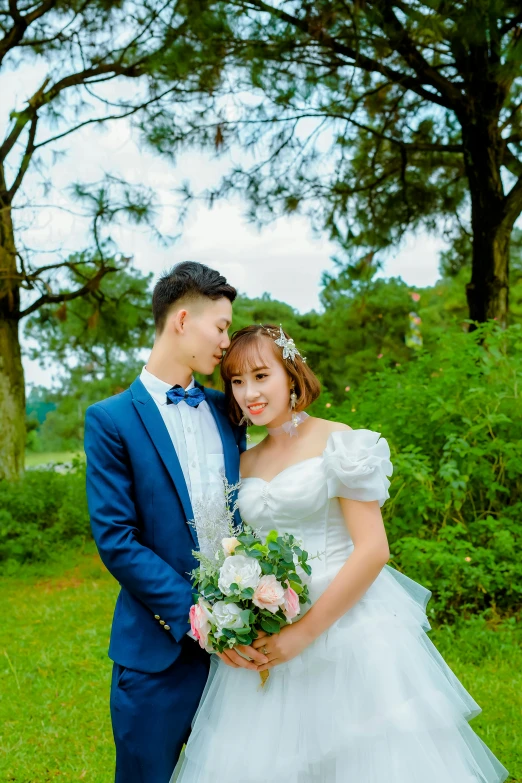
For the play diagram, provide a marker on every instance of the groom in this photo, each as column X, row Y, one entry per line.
column 153, row 451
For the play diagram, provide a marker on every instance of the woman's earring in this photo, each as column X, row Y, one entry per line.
column 293, row 403
column 248, row 422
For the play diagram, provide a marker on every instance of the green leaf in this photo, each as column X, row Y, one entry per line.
column 270, row 625
column 298, row 588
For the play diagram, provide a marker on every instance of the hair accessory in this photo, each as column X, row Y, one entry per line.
column 289, row 427
column 290, row 350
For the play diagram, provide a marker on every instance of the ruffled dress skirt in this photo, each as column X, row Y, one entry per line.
column 370, row 701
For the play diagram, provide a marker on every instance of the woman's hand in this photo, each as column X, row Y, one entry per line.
column 242, row 657
column 283, row 646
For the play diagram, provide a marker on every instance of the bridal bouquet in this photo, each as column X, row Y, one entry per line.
column 244, row 583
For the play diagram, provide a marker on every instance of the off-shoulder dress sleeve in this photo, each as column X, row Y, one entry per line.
column 357, row 464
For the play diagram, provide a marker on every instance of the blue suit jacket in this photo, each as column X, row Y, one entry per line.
column 139, row 506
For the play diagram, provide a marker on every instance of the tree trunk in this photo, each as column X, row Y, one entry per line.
column 12, row 389
column 488, row 290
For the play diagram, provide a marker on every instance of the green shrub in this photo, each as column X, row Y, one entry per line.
column 42, row 513
column 453, row 418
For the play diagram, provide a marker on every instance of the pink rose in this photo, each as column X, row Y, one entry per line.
column 291, row 607
column 200, row 616
column 269, row 594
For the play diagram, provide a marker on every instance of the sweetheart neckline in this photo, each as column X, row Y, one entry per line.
column 294, row 465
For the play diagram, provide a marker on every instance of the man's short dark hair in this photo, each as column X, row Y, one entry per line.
column 187, row 280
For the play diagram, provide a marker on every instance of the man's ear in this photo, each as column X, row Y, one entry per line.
column 178, row 320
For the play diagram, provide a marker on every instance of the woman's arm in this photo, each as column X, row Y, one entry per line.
column 365, row 525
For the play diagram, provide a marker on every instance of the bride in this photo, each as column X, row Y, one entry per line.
column 357, row 693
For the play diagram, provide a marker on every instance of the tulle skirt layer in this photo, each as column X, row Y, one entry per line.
column 371, row 701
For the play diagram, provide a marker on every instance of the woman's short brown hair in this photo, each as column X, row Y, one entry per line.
column 243, row 355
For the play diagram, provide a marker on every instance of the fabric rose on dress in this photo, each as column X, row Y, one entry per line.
column 243, row 571
column 229, row 545
column 227, row 615
column 291, row 606
column 200, row 621
column 269, row 594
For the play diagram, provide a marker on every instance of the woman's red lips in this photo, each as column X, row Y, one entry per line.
column 257, row 412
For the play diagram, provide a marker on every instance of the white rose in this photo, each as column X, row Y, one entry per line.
column 229, row 545
column 240, row 570
column 227, row 615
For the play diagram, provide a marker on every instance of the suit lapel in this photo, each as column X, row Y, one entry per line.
column 155, row 426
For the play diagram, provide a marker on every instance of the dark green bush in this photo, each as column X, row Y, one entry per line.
column 44, row 512
column 453, row 418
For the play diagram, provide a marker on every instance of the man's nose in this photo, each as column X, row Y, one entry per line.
column 225, row 342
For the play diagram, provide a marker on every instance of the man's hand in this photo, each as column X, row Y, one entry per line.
column 237, row 657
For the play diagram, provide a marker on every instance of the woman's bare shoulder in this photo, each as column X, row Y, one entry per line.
column 326, row 426
column 249, row 459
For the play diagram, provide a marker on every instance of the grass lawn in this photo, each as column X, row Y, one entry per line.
column 54, row 675
column 34, row 459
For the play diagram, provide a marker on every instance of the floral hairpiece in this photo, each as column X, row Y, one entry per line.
column 290, row 350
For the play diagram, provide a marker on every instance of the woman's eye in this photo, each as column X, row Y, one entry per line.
column 261, row 375
column 236, row 382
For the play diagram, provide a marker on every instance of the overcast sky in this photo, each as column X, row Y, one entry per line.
column 283, row 259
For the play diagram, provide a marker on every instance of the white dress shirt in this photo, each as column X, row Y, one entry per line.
column 195, row 438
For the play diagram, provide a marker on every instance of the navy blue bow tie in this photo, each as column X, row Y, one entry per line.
column 193, row 397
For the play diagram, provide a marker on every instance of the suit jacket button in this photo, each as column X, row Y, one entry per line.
column 166, row 627
column 162, row 622
column 156, row 617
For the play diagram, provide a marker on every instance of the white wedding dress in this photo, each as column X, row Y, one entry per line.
column 371, row 700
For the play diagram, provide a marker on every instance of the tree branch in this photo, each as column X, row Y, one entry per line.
column 22, row 118
column 413, row 146
column 16, row 33
column 40, row 11
column 90, row 286
column 20, row 24
column 110, row 117
column 26, row 160
column 403, row 44
column 511, row 162
column 42, row 97
column 513, row 204
column 50, row 267
column 359, row 60
column 511, row 24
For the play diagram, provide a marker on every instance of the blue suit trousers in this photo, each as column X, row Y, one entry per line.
column 151, row 715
